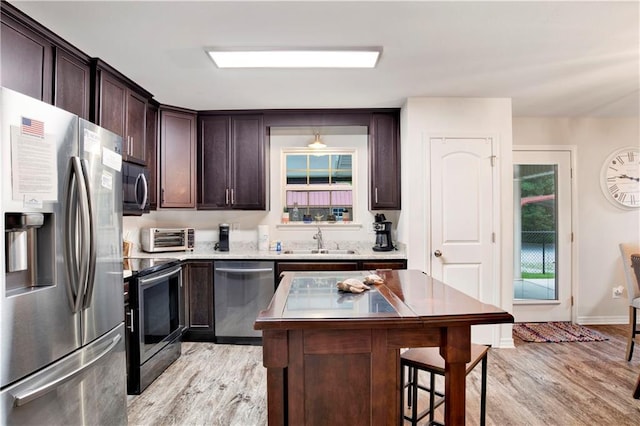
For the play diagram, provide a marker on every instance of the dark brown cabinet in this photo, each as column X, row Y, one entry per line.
column 121, row 106
column 112, row 104
column 384, row 162
column 177, row 158
column 36, row 62
column 72, row 83
column 198, row 277
column 316, row 266
column 372, row 265
column 231, row 162
column 339, row 265
column 136, row 128
column 152, row 151
column 26, row 58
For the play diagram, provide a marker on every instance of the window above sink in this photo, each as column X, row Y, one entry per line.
column 318, row 186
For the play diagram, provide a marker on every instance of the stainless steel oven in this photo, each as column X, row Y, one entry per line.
column 155, row 323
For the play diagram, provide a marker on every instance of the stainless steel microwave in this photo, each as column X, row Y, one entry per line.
column 135, row 190
column 167, row 239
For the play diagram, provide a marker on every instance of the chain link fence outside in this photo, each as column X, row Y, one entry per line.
column 538, row 254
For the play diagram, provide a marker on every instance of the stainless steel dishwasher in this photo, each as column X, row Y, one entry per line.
column 241, row 290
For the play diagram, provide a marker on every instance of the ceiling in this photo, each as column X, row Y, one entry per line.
column 552, row 58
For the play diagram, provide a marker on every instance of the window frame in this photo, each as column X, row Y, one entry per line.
column 320, row 187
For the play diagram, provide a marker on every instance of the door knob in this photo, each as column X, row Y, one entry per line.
column 437, row 253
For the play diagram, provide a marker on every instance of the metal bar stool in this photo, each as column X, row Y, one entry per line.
column 429, row 360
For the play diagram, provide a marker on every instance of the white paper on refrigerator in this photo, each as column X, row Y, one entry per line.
column 34, row 173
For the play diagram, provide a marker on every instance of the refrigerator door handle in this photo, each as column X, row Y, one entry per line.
column 85, row 233
column 90, row 236
column 71, row 238
column 146, row 190
column 25, row 397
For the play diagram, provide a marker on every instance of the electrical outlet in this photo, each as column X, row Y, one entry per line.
column 617, row 292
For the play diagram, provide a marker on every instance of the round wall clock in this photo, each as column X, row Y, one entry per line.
column 620, row 178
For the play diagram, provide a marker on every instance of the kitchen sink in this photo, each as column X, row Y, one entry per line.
column 323, row 251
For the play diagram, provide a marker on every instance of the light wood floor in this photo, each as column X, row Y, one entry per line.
column 534, row 384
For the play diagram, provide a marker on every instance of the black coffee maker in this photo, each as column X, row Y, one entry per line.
column 223, row 240
column 383, row 234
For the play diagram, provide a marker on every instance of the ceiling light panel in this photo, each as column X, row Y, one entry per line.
column 295, row 58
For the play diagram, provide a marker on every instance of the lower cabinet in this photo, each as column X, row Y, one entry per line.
column 332, row 265
column 316, row 266
column 372, row 265
column 198, row 278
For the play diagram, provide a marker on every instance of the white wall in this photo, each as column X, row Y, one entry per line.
column 425, row 117
column 600, row 226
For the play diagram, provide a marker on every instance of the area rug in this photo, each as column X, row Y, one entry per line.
column 555, row 332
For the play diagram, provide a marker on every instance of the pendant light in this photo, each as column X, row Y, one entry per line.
column 317, row 143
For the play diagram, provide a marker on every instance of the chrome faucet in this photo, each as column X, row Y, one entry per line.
column 318, row 237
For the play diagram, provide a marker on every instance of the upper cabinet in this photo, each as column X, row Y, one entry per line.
column 152, row 153
column 27, row 59
column 72, row 83
column 120, row 105
column 384, row 162
column 231, row 162
column 177, row 158
column 37, row 63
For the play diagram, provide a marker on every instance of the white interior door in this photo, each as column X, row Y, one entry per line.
column 542, row 235
column 462, row 205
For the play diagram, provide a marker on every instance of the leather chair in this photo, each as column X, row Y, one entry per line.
column 429, row 360
column 633, row 292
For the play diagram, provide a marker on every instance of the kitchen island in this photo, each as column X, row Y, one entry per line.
column 334, row 358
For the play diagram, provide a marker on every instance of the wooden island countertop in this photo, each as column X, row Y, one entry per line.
column 334, row 358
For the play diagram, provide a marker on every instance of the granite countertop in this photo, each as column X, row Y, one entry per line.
column 206, row 251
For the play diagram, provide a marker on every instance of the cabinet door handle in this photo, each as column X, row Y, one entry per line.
column 226, row 196
column 130, row 320
column 162, row 195
column 232, row 197
column 376, row 194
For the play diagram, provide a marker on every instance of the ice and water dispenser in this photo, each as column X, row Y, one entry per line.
column 28, row 250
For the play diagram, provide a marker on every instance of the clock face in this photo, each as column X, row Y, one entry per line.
column 621, row 178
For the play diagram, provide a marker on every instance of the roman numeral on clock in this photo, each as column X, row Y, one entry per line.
column 614, row 189
column 619, row 159
column 631, row 156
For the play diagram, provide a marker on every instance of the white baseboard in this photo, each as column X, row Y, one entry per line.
column 595, row 320
column 506, row 343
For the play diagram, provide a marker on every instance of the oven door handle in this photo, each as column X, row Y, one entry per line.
column 244, row 271
column 154, row 278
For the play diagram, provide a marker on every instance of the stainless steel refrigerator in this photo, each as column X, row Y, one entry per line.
column 62, row 351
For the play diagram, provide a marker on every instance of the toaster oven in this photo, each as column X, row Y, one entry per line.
column 155, row 240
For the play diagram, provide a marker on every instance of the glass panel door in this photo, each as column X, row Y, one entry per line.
column 535, row 231
column 542, row 262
